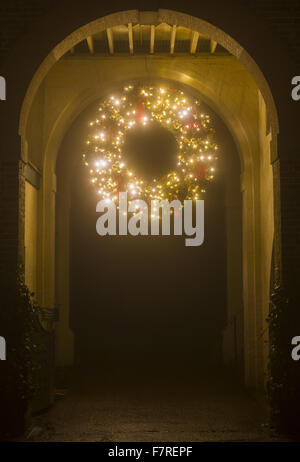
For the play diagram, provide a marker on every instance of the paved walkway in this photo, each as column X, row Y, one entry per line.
column 121, row 410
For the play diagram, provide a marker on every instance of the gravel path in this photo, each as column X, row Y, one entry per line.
column 115, row 409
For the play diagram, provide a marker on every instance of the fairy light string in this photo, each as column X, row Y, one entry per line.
column 170, row 107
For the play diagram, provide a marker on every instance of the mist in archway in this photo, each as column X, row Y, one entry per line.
column 151, row 149
column 146, row 306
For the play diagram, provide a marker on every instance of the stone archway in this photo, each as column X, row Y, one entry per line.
column 256, row 147
column 257, row 195
column 162, row 16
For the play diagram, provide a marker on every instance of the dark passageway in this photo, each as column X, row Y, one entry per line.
column 148, row 316
column 146, row 303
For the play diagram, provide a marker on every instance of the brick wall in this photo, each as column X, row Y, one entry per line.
column 9, row 206
column 290, row 213
column 16, row 17
column 283, row 18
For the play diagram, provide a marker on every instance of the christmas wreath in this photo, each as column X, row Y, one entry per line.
column 137, row 105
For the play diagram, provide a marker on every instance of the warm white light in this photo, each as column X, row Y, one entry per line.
column 167, row 107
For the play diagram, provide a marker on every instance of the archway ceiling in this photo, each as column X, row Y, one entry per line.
column 147, row 38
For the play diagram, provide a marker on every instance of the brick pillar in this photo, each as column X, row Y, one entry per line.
column 285, row 303
column 290, row 214
column 12, row 200
column 12, row 215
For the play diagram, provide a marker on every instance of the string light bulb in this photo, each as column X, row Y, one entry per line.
column 174, row 110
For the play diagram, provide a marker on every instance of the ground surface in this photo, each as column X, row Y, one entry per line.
column 116, row 409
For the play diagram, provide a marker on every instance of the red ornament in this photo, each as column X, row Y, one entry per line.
column 140, row 110
column 200, row 172
column 119, row 182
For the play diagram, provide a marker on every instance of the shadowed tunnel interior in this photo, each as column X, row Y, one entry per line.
column 146, row 305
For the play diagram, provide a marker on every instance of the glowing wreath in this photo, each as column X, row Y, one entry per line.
column 180, row 114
